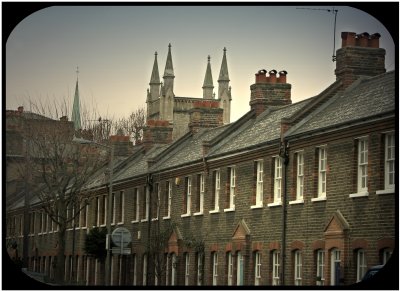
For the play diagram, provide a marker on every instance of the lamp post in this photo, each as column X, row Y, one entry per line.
column 109, row 202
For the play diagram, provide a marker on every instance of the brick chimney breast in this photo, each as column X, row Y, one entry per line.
column 359, row 55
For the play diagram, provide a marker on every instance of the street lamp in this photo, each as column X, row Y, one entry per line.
column 109, row 202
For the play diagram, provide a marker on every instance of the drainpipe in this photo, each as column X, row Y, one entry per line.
column 284, row 154
column 149, row 190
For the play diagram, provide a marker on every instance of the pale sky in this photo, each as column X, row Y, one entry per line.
column 114, row 48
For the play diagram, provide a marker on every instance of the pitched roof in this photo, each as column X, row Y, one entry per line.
column 365, row 99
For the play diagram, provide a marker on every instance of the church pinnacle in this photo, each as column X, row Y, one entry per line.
column 155, row 76
column 223, row 74
column 208, row 85
column 155, row 83
column 169, row 73
column 76, row 114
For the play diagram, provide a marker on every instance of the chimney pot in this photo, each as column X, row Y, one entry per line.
column 272, row 76
column 348, row 39
column 261, row 76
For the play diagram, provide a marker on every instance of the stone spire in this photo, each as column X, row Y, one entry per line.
column 76, row 114
column 208, row 82
column 223, row 73
column 154, row 81
column 169, row 72
column 224, row 90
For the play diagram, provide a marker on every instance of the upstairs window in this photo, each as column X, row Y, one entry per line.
column 259, row 166
column 362, row 180
column 121, row 207
column 300, row 176
column 217, row 186
column 155, row 201
column 278, row 180
column 168, row 199
column 136, row 205
column 231, row 188
column 200, row 194
column 322, row 157
column 187, row 196
column 390, row 158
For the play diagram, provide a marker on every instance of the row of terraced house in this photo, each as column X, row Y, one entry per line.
column 291, row 193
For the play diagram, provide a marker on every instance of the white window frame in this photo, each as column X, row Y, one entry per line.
column 217, row 188
column 136, row 204
column 232, row 188
column 173, row 270
column 201, row 193
column 122, row 207
column 275, row 268
column 361, row 264
column 259, row 184
column 147, row 205
column 297, row 268
column 187, row 268
column 134, row 283
column 144, row 270
column 239, row 269
column 230, row 269
column 83, row 221
column 188, row 194
column 215, row 269
column 199, row 268
column 335, row 258
column 320, row 267
column 257, row 268
column 300, row 176
column 113, row 208
column 169, row 193
column 278, row 180
column 322, row 159
column 389, row 164
column 362, row 176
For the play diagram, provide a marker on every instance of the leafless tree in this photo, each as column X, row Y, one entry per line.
column 133, row 125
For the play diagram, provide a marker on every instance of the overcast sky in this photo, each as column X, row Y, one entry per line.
column 114, row 48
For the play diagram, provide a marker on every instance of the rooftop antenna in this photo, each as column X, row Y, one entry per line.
column 333, row 11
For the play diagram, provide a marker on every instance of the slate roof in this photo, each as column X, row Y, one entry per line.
column 187, row 149
column 366, row 98
column 264, row 128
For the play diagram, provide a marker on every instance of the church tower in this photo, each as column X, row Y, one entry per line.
column 76, row 113
column 154, row 93
column 167, row 91
column 224, row 90
column 208, row 82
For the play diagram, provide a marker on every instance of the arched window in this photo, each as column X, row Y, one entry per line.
column 230, row 268
column 257, row 268
column 240, row 269
column 275, row 267
column 320, row 267
column 297, row 267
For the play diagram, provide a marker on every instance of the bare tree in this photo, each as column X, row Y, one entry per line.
column 133, row 125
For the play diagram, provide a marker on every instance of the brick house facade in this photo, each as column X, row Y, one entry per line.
column 292, row 194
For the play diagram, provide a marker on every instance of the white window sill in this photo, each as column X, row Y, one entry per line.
column 386, row 191
column 273, row 204
column 296, row 202
column 143, row 220
column 166, row 217
column 256, row 206
column 214, row 211
column 154, row 219
column 186, row 215
column 317, row 199
column 229, row 209
column 359, row 194
column 135, row 221
column 120, row 223
column 102, row 225
column 198, row 213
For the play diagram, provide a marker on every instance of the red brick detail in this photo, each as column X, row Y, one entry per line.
column 206, row 104
column 359, row 244
column 119, row 138
column 157, row 123
column 257, row 246
column 385, row 243
column 297, row 245
column 228, row 247
column 214, row 247
column 318, row 244
column 275, row 245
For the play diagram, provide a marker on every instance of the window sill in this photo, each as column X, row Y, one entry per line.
column 296, row 202
column 154, row 219
column 359, row 194
column 273, row 204
column 166, row 217
column 120, row 223
column 185, row 215
column 135, row 221
column 317, row 199
column 213, row 211
column 143, row 220
column 198, row 213
column 256, row 206
column 386, row 191
column 229, row 209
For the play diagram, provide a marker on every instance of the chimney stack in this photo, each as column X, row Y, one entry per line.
column 122, row 144
column 156, row 132
column 269, row 91
column 359, row 55
column 205, row 114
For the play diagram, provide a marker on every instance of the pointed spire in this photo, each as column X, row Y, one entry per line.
column 208, row 85
column 155, row 75
column 223, row 74
column 76, row 114
column 169, row 69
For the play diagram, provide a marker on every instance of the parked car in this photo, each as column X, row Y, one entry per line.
column 371, row 272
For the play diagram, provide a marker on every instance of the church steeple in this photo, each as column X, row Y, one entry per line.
column 169, row 72
column 155, row 81
column 224, row 90
column 76, row 114
column 208, row 85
